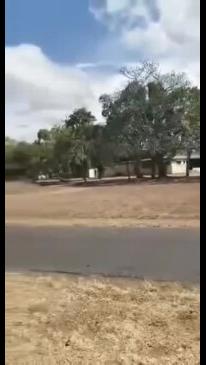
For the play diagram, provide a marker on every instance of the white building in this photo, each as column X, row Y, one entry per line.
column 176, row 167
column 178, row 164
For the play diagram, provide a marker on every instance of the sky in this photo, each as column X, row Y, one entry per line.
column 62, row 55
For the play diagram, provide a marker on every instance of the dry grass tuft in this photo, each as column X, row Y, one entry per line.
column 65, row 320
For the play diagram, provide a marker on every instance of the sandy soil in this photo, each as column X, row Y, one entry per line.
column 128, row 205
column 67, row 320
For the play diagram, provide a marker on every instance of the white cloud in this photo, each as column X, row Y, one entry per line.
column 115, row 6
column 167, row 31
column 146, row 40
column 181, row 20
column 119, row 13
column 40, row 93
column 85, row 65
column 177, row 31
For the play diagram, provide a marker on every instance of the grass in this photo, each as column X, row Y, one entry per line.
column 145, row 204
column 68, row 320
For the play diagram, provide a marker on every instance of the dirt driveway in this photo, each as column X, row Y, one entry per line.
column 148, row 204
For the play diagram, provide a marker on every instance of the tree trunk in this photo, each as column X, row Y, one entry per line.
column 100, row 169
column 138, row 168
column 188, row 163
column 161, row 166
column 128, row 171
column 85, row 175
column 153, row 168
column 84, row 168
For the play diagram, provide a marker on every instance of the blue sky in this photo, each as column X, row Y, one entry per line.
column 65, row 30
column 63, row 54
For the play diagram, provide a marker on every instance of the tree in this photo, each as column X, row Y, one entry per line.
column 43, row 135
column 80, row 124
column 147, row 115
column 10, row 141
column 191, row 133
column 143, row 73
column 164, row 117
column 163, row 112
column 101, row 150
column 62, row 145
column 116, row 144
column 115, row 127
column 42, row 154
column 22, row 154
column 79, row 118
column 10, row 145
column 123, row 111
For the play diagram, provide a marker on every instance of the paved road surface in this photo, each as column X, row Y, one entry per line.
column 159, row 254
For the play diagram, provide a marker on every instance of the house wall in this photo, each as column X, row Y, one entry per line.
column 122, row 170
column 177, row 167
column 93, row 173
column 117, row 170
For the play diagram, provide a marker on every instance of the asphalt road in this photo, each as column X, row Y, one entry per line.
column 158, row 254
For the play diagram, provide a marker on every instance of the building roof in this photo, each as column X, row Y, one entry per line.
column 183, row 156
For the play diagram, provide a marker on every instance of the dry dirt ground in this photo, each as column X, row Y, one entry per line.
column 68, row 320
column 147, row 204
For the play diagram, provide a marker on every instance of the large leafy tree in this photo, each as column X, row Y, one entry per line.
column 22, row 154
column 164, row 117
column 61, row 139
column 191, row 133
column 80, row 119
column 148, row 114
column 80, row 124
column 43, row 135
column 10, row 145
column 98, row 148
column 17, row 157
column 43, row 160
column 124, row 121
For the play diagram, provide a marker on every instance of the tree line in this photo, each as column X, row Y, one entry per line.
column 155, row 115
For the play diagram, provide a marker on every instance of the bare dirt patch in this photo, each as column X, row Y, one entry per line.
column 67, row 320
column 175, row 205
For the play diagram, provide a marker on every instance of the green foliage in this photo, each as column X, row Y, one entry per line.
column 155, row 115
column 191, row 135
column 79, row 118
column 43, row 135
column 79, row 125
